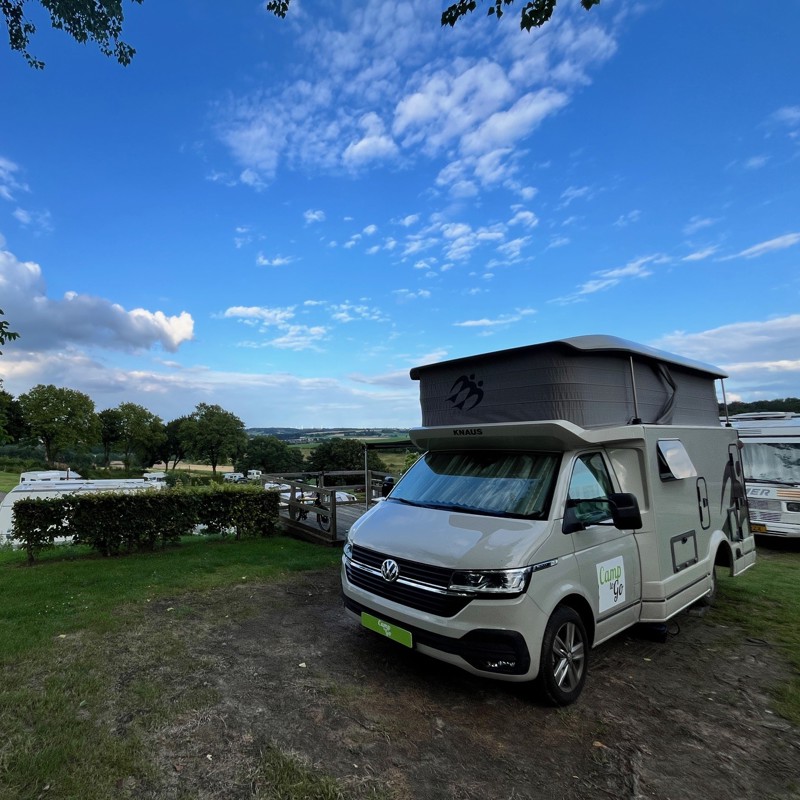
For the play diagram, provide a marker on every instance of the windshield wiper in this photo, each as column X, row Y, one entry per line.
column 771, row 480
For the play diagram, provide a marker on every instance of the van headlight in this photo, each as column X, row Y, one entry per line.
column 347, row 551
column 495, row 582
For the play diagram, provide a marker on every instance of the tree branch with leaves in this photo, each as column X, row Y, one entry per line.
column 99, row 21
column 6, row 335
column 534, row 14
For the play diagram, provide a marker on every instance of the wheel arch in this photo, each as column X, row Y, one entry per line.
column 581, row 606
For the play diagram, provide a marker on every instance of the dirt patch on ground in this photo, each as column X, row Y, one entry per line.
column 282, row 666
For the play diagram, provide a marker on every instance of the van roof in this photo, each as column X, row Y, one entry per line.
column 589, row 343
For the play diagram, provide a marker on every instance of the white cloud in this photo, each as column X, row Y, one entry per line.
column 311, row 216
column 756, row 162
column 78, row 319
column 778, row 243
column 374, row 145
column 503, row 319
column 260, row 314
column 760, row 356
column 410, row 220
column 698, row 223
column 507, row 127
column 525, row 218
column 276, row 261
column 574, row 193
column 700, row 255
column 9, row 183
column 628, row 219
column 404, row 295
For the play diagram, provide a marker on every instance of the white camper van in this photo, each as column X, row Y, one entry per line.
column 568, row 491
column 771, row 456
column 58, row 488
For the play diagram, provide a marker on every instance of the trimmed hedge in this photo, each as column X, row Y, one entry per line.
column 116, row 523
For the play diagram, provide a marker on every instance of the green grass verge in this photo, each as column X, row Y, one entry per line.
column 765, row 602
column 80, row 684
column 8, row 480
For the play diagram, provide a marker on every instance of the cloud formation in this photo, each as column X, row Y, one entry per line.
column 79, row 319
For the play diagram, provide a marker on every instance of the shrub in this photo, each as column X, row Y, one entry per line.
column 114, row 523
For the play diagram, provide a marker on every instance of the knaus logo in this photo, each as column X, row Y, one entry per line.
column 465, row 393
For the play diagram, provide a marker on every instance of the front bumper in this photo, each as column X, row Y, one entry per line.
column 486, row 651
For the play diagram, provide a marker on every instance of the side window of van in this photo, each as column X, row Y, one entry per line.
column 589, row 488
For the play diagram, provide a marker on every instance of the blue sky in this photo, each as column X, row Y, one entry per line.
column 284, row 217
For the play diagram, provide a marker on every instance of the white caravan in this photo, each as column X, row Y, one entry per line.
column 58, row 488
column 568, row 491
column 50, row 475
column 771, row 456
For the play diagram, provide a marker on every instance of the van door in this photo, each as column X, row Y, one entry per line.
column 608, row 558
column 737, row 522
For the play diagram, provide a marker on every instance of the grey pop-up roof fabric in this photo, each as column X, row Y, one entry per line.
column 586, row 380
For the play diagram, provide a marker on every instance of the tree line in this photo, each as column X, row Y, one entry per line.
column 63, row 422
column 786, row 405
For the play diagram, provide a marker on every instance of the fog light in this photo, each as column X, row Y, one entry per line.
column 793, row 507
column 499, row 666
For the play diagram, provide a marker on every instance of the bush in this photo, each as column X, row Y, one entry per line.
column 115, row 523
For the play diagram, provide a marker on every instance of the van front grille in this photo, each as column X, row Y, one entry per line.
column 419, row 586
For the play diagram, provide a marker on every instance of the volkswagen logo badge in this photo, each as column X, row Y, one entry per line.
column 390, row 570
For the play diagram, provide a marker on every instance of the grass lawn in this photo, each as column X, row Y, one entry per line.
column 8, row 480
column 59, row 738
column 765, row 602
column 55, row 682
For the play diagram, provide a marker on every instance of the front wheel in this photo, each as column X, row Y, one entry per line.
column 565, row 657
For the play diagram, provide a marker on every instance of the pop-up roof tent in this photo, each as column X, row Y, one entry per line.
column 591, row 381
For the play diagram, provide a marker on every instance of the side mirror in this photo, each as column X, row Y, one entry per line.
column 625, row 511
column 571, row 523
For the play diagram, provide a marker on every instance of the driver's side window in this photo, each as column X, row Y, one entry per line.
column 589, row 488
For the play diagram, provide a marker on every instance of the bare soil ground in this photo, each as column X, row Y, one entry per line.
column 281, row 666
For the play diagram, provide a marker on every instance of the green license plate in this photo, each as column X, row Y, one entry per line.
column 393, row 632
column 755, row 527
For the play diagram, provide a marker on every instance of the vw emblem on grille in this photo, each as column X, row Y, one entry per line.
column 390, row 570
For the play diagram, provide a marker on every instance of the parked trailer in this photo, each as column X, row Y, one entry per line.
column 771, row 456
column 568, row 491
column 58, row 488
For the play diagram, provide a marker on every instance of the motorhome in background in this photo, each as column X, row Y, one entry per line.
column 771, row 456
column 568, row 491
column 50, row 475
column 58, row 488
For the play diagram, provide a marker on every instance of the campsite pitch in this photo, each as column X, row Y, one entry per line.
column 277, row 693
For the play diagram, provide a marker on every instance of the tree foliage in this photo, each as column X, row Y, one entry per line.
column 217, row 435
column 534, row 14
column 99, row 21
column 140, row 434
column 59, row 418
column 6, row 335
column 110, row 421
column 787, row 404
column 343, row 454
column 178, row 441
column 270, row 454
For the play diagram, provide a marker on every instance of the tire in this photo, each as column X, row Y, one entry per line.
column 565, row 657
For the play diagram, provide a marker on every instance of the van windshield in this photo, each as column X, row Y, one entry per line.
column 496, row 483
column 777, row 462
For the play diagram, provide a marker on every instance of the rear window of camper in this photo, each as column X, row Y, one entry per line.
column 482, row 482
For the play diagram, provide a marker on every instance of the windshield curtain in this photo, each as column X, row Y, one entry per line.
column 482, row 482
column 772, row 461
